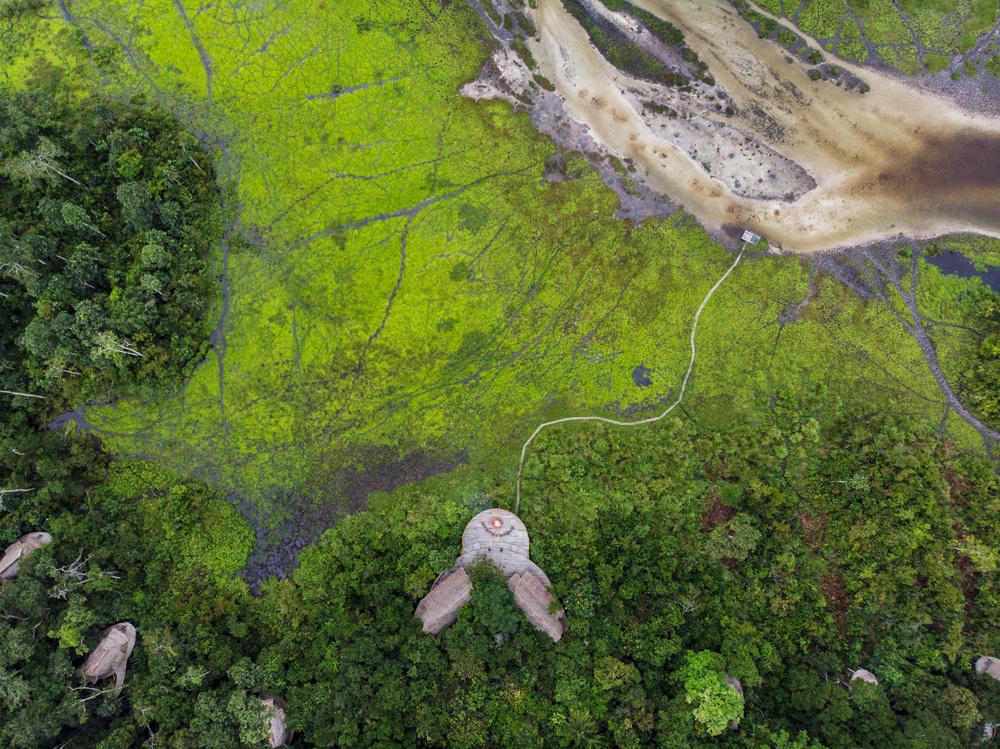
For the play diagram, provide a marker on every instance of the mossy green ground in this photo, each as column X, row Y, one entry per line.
column 401, row 278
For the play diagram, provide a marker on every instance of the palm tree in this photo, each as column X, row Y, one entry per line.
column 578, row 730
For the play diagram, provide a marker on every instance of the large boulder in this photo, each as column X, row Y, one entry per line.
column 865, row 675
column 111, row 655
column 278, row 734
column 988, row 665
column 20, row 549
column 737, row 687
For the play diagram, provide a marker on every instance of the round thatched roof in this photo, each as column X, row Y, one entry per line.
column 497, row 530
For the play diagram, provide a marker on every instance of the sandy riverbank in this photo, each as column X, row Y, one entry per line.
column 894, row 161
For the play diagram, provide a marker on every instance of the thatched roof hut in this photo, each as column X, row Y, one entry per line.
column 988, row 665
column 111, row 655
column 20, row 549
column 500, row 536
column 865, row 675
column 278, row 734
column 440, row 606
column 534, row 600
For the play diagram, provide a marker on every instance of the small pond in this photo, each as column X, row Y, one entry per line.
column 959, row 265
column 640, row 376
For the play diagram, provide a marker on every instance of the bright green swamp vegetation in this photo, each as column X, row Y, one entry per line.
column 400, row 291
column 913, row 36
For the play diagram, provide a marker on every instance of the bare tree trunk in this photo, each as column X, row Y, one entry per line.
column 61, row 174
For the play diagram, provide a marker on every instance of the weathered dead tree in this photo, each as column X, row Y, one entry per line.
column 75, row 575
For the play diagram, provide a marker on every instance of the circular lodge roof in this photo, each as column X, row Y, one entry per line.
column 497, row 531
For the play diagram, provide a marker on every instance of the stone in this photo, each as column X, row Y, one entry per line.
column 20, row 549
column 111, row 655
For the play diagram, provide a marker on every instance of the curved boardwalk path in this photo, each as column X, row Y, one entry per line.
column 615, row 422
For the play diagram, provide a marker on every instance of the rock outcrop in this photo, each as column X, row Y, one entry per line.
column 865, row 675
column 278, row 734
column 737, row 687
column 111, row 655
column 988, row 665
column 20, row 549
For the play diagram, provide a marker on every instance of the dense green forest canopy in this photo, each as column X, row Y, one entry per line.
column 108, row 213
column 784, row 552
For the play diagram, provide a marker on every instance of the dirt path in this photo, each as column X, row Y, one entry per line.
column 894, row 161
column 615, row 422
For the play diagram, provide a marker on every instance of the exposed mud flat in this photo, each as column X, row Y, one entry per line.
column 747, row 167
column 893, row 162
column 505, row 76
column 305, row 517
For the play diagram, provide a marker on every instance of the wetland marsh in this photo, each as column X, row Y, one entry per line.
column 411, row 272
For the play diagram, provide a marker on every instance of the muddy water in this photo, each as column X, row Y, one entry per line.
column 894, row 161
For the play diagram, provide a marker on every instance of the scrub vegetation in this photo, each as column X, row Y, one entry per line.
column 397, row 277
